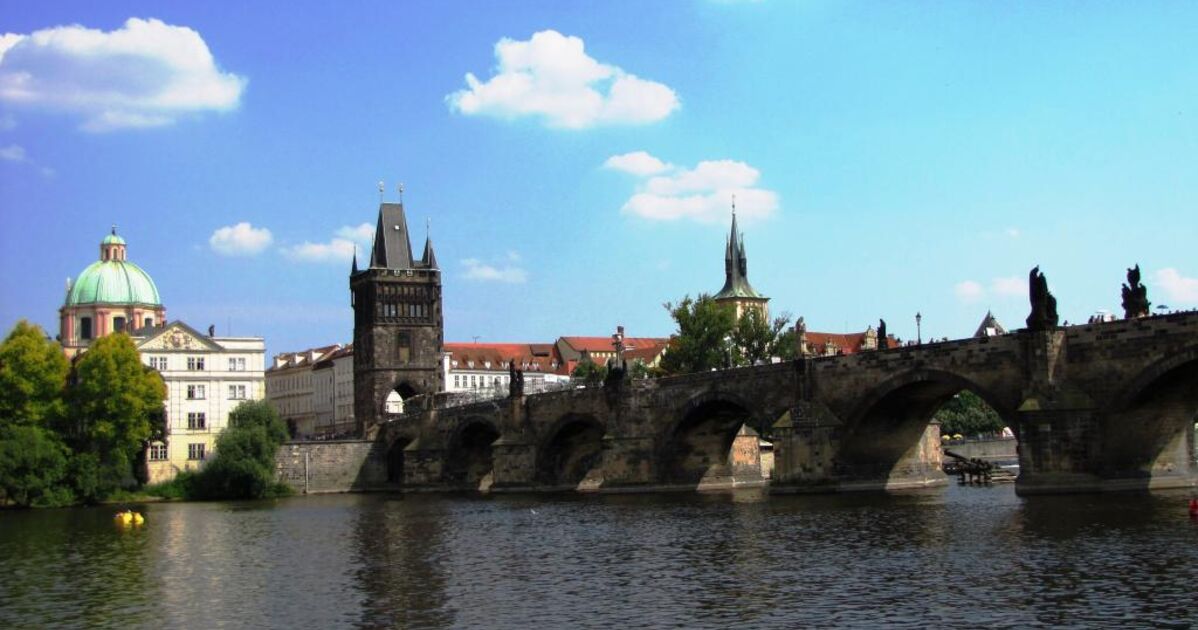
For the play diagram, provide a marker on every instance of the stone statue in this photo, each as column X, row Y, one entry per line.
column 800, row 326
column 1135, row 295
column 883, row 342
column 515, row 385
column 615, row 374
column 1044, row 305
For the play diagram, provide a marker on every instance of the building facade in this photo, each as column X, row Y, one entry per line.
column 110, row 295
column 206, row 377
column 291, row 388
column 398, row 323
column 483, row 367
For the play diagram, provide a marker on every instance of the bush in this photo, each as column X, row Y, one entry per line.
column 244, row 466
column 33, row 464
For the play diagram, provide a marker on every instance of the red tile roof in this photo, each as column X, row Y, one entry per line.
column 603, row 344
column 847, row 343
column 530, row 357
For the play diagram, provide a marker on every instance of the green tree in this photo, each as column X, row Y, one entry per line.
column 33, row 375
column 33, row 467
column 754, row 338
column 702, row 341
column 116, row 406
column 967, row 414
column 589, row 372
column 244, row 465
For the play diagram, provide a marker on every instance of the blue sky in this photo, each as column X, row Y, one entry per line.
column 887, row 158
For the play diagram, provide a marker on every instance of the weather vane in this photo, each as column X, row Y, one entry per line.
column 733, row 204
column 382, row 187
column 400, row 192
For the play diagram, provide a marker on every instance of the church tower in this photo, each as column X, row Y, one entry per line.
column 398, row 326
column 737, row 291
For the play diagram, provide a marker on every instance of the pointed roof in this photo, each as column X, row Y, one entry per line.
column 429, row 259
column 392, row 249
column 736, row 269
column 990, row 327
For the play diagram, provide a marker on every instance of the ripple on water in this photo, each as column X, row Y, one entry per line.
column 961, row 555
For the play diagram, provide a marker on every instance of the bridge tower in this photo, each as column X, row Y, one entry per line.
column 398, row 324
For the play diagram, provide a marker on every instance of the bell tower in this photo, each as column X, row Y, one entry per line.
column 398, row 325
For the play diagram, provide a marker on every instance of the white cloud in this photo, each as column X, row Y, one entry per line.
column 339, row 249
column 1012, row 286
column 969, row 291
column 13, row 153
column 477, row 270
column 1177, row 287
column 241, row 239
column 145, row 74
column 637, row 163
column 702, row 194
column 551, row 76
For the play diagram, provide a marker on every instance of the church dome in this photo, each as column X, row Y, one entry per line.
column 113, row 280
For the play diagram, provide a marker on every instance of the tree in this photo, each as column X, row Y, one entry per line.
column 967, row 414
column 116, row 406
column 33, row 374
column 589, row 372
column 244, row 465
column 33, row 465
column 700, row 343
column 755, row 339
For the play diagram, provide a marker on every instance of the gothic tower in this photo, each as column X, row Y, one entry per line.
column 398, row 326
column 737, row 291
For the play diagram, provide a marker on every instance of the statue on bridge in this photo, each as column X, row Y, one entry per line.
column 1044, row 305
column 615, row 374
column 883, row 342
column 1135, row 295
column 515, row 384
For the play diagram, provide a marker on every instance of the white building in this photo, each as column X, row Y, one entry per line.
column 483, row 367
column 333, row 394
column 206, row 377
column 291, row 388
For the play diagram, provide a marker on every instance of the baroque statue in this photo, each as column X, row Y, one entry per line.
column 1135, row 295
column 1044, row 305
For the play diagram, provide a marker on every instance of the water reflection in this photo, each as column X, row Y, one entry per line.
column 958, row 555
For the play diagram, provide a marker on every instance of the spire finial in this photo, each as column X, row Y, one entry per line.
column 382, row 187
column 400, row 192
column 114, row 229
column 428, row 227
column 733, row 204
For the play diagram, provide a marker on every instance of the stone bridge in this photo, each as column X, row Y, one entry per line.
column 1107, row 406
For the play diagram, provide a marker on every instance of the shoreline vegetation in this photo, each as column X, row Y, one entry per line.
column 75, row 432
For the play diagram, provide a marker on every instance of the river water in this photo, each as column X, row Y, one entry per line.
column 955, row 555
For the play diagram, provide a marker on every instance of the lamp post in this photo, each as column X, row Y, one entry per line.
column 918, row 331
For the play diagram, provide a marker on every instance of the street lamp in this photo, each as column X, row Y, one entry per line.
column 918, row 332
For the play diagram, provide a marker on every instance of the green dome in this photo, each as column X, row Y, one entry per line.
column 112, row 239
column 113, row 282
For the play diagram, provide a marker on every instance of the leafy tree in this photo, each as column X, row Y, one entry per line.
column 589, row 372
column 756, row 339
column 700, row 343
column 638, row 370
column 33, row 374
column 244, row 465
column 33, row 466
column 784, row 345
column 967, row 414
column 116, row 405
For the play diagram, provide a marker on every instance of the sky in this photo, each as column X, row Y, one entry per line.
column 575, row 163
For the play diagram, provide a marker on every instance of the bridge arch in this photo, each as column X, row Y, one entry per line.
column 395, row 459
column 885, row 438
column 695, row 447
column 399, row 394
column 468, row 458
column 1148, row 430
column 572, row 448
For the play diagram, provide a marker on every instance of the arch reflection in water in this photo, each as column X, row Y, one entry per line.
column 399, row 545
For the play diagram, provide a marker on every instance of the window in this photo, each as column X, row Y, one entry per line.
column 195, row 451
column 85, row 328
column 237, row 392
column 157, row 452
column 457, row 380
column 149, row 322
column 158, row 363
column 196, row 392
column 118, row 324
column 236, row 364
column 403, row 346
column 195, row 364
column 197, row 420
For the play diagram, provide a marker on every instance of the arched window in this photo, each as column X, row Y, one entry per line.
column 85, row 328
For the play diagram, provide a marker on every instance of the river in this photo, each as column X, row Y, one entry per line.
column 955, row 555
